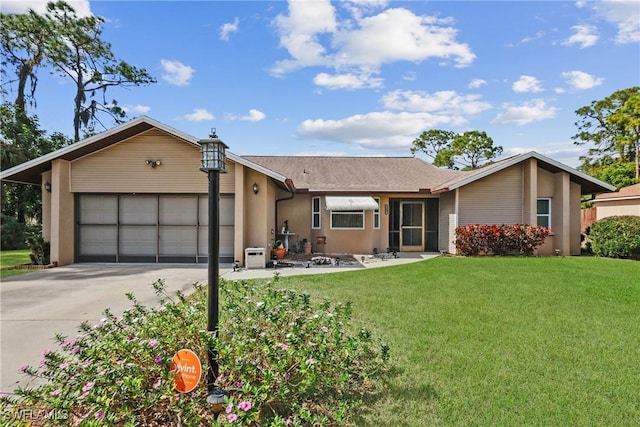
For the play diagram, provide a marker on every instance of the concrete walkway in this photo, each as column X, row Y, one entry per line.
column 36, row 306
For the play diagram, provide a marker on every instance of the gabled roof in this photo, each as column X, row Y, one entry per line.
column 588, row 183
column 30, row 171
column 357, row 174
column 625, row 193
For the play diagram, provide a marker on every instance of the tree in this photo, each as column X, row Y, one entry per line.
column 432, row 141
column 23, row 41
column 71, row 46
column 21, row 139
column 470, row 150
column 613, row 126
column 81, row 55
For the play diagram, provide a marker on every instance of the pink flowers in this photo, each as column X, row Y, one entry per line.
column 157, row 359
column 88, row 386
column 156, row 385
column 285, row 347
column 232, row 417
column 153, row 343
column 244, row 406
column 99, row 415
column 63, row 365
column 56, row 392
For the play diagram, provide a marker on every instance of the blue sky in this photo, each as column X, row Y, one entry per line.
column 363, row 78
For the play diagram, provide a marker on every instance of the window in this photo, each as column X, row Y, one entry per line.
column 376, row 214
column 315, row 213
column 543, row 211
column 347, row 219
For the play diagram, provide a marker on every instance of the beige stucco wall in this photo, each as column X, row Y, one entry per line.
column 62, row 214
column 606, row 208
column 448, row 222
column 298, row 212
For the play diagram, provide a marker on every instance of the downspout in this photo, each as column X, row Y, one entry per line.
column 291, row 188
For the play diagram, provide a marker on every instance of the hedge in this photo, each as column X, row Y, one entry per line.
column 516, row 239
column 616, row 237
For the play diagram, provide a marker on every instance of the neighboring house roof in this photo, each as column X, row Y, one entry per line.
column 30, row 171
column 588, row 183
column 625, row 193
column 357, row 174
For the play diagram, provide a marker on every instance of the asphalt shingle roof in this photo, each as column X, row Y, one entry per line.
column 357, row 174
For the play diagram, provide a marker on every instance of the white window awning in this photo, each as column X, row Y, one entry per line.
column 350, row 203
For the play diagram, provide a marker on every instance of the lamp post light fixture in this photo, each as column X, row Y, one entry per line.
column 213, row 158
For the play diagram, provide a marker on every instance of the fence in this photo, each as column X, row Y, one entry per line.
column 587, row 217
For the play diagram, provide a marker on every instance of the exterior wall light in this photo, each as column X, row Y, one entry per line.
column 255, row 188
column 47, row 186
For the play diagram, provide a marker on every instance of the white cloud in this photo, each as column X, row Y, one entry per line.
column 399, row 35
column 199, row 115
column 585, row 36
column 527, row 84
column 346, row 81
column 623, row 14
column 176, row 73
column 534, row 110
column 360, row 44
column 299, row 33
column 228, row 28
column 476, row 83
column 581, row 80
column 82, row 7
column 377, row 129
column 443, row 102
column 139, row 109
column 253, row 116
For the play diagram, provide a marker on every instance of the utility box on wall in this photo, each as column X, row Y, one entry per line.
column 254, row 258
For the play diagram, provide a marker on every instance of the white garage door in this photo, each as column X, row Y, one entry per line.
column 150, row 228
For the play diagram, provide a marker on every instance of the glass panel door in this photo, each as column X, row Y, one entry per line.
column 411, row 226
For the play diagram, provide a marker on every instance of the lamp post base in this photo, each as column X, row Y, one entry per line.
column 216, row 400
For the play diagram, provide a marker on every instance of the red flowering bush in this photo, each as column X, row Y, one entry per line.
column 516, row 239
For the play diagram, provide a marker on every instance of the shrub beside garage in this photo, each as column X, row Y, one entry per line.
column 616, row 237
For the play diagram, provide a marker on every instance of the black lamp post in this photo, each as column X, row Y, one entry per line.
column 213, row 158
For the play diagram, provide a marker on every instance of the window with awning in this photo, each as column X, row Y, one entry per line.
column 350, row 203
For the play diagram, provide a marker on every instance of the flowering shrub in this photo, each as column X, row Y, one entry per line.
column 283, row 360
column 517, row 239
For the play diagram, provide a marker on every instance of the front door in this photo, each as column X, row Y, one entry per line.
column 411, row 226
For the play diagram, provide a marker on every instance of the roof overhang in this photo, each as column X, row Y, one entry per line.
column 587, row 183
column 350, row 203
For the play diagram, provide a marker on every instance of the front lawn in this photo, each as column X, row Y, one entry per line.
column 473, row 342
column 500, row 341
column 11, row 258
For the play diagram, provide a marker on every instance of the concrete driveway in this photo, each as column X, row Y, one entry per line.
column 36, row 306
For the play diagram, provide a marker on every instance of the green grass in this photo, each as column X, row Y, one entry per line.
column 11, row 258
column 500, row 341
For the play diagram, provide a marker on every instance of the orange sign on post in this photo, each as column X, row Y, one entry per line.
column 187, row 370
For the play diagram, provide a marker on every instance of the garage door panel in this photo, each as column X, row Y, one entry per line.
column 138, row 209
column 138, row 240
column 178, row 210
column 178, row 240
column 98, row 209
column 98, row 240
